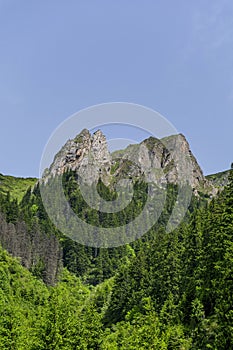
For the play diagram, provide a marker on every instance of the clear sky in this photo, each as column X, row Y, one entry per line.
column 59, row 56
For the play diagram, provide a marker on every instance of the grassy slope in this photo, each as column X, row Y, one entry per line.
column 17, row 186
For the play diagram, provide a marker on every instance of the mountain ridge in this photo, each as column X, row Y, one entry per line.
column 114, row 164
column 166, row 160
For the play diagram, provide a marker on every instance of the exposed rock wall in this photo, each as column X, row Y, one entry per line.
column 87, row 154
column 168, row 160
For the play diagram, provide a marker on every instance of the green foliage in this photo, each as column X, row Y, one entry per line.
column 164, row 291
column 9, row 207
column 188, row 277
column 33, row 316
column 143, row 330
column 22, row 300
column 115, row 166
column 17, row 186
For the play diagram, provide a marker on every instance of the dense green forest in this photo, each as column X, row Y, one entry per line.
column 164, row 291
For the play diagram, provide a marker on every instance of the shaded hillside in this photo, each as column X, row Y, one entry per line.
column 22, row 236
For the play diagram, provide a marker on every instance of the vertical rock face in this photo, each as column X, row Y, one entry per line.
column 184, row 162
column 168, row 160
column 86, row 154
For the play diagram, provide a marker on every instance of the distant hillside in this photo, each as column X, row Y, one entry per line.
column 17, row 186
column 219, row 180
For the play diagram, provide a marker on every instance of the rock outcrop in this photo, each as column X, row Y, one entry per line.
column 86, row 154
column 168, row 160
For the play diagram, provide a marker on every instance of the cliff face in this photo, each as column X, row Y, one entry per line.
column 168, row 160
column 87, row 154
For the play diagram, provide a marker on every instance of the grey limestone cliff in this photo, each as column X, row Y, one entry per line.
column 87, row 154
column 168, row 160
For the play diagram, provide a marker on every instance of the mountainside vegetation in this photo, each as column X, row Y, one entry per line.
column 17, row 186
column 166, row 290
column 219, row 179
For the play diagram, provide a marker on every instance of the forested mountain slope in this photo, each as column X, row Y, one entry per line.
column 166, row 290
column 173, row 292
column 186, row 277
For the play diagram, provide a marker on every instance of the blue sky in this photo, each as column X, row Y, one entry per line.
column 58, row 57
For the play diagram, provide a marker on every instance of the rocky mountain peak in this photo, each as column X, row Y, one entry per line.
column 87, row 154
column 166, row 160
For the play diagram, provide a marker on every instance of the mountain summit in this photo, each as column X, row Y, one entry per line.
column 88, row 154
column 166, row 160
